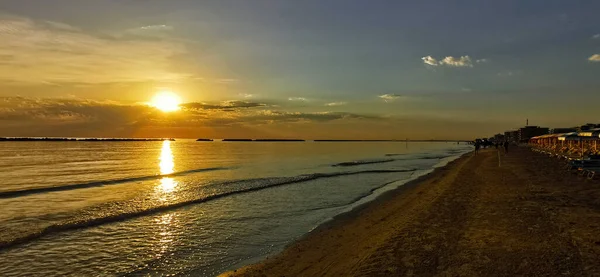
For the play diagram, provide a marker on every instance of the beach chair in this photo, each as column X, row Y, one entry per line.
column 591, row 172
column 582, row 165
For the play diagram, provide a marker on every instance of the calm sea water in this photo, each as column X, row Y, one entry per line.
column 183, row 208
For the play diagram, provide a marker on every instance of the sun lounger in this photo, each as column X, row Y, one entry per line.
column 591, row 172
column 582, row 164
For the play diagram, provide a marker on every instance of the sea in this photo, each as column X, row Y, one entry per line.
column 184, row 208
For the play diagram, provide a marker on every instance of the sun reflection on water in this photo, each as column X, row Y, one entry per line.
column 166, row 224
column 168, row 184
column 165, row 234
column 167, row 166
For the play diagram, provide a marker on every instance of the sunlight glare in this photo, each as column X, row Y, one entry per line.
column 167, row 184
column 166, row 101
column 167, row 166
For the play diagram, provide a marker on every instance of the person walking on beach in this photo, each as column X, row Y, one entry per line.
column 506, row 147
column 477, row 145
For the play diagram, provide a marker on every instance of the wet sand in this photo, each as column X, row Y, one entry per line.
column 470, row 218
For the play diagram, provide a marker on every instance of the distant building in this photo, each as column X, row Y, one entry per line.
column 562, row 130
column 511, row 136
column 527, row 132
column 499, row 137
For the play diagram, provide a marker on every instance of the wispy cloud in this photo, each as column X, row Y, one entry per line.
column 282, row 116
column 596, row 36
column 334, row 104
column 227, row 81
column 157, row 27
column 38, row 51
column 462, row 61
column 389, row 97
column 62, row 26
column 150, row 31
column 301, row 99
column 594, row 58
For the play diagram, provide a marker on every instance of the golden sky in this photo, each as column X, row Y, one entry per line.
column 292, row 69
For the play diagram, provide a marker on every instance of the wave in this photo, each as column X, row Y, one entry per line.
column 432, row 157
column 363, row 162
column 425, row 157
column 375, row 161
column 237, row 187
column 30, row 191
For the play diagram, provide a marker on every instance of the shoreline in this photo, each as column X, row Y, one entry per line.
column 354, row 209
column 469, row 217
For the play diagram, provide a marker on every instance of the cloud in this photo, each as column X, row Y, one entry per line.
column 62, row 26
column 72, row 117
column 80, row 117
column 596, row 36
column 389, row 97
column 227, row 81
column 462, row 61
column 281, row 116
column 161, row 27
column 221, row 81
column 594, row 58
column 160, row 31
column 302, row 99
column 42, row 52
column 86, row 116
column 430, row 60
column 334, row 104
column 226, row 105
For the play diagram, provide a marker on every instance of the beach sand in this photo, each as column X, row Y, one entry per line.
column 472, row 217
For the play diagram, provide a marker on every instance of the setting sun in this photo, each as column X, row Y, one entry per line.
column 166, row 101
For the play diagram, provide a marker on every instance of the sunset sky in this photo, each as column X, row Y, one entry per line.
column 308, row 69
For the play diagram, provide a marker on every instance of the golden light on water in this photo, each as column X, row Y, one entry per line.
column 165, row 235
column 166, row 101
column 167, row 184
column 167, row 166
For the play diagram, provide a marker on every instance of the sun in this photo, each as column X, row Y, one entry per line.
column 166, row 101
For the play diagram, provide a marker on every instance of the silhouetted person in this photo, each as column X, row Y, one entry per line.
column 477, row 146
column 506, row 147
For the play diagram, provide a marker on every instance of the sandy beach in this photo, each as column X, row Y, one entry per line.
column 473, row 217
